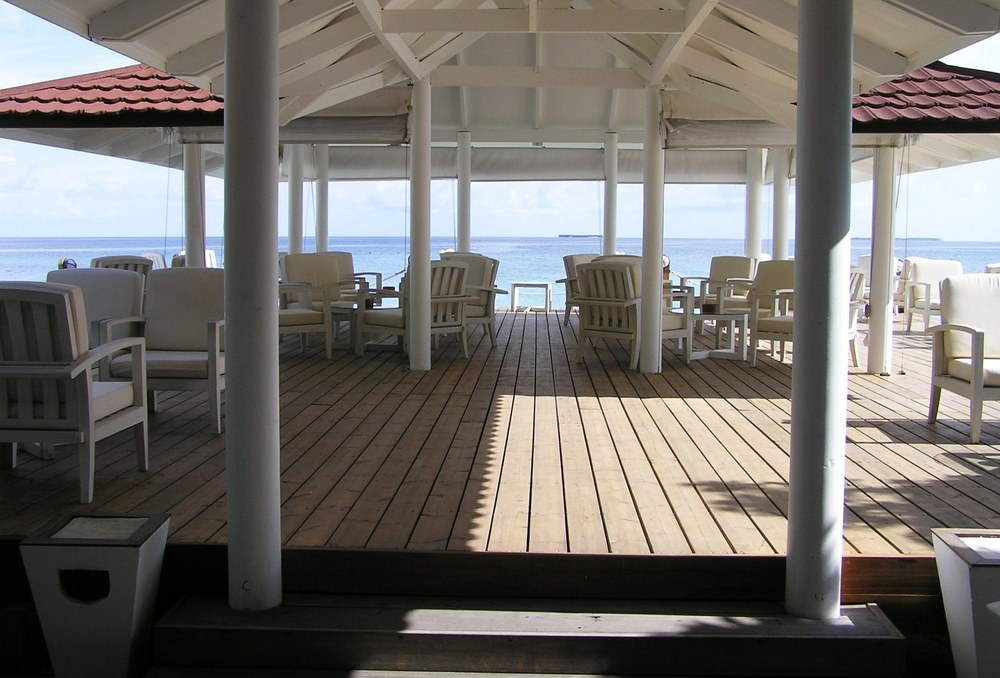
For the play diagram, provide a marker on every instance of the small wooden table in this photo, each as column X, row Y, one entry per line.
column 735, row 323
column 546, row 287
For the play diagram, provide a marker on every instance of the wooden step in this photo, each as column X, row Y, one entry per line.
column 522, row 636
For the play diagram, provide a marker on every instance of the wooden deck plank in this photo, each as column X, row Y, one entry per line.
column 521, row 448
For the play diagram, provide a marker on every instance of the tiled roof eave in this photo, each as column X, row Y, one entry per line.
column 147, row 118
column 926, row 126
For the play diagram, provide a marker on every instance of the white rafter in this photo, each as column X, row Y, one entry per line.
column 695, row 14
column 131, row 18
column 394, row 43
column 965, row 17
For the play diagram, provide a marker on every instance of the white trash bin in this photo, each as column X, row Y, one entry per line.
column 94, row 580
column 968, row 563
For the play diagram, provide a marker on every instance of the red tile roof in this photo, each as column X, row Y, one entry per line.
column 936, row 98
column 118, row 97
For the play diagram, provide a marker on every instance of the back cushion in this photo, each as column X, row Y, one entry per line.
column 180, row 302
column 107, row 292
column 972, row 300
column 775, row 275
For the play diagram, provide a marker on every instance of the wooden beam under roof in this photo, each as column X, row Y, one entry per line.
column 531, row 76
column 393, row 42
column 520, row 21
column 695, row 14
column 129, row 19
column 965, row 17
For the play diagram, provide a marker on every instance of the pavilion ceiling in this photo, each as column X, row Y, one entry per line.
column 530, row 74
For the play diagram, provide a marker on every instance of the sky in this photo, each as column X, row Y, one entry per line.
column 49, row 192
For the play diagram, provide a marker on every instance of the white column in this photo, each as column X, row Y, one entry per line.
column 883, row 262
column 251, row 228
column 418, row 278
column 610, row 192
column 650, row 346
column 464, row 190
column 754, row 203
column 322, row 161
column 822, row 255
column 295, row 161
column 194, row 206
column 779, row 234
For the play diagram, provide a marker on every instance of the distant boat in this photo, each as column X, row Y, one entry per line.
column 578, row 235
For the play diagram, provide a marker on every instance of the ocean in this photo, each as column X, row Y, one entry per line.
column 521, row 259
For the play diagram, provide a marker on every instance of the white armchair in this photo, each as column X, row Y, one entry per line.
column 965, row 357
column 184, row 327
column 571, row 283
column 923, row 294
column 47, row 374
column 608, row 304
column 480, row 285
column 678, row 317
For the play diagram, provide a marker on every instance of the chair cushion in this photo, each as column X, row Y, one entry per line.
column 180, row 303
column 673, row 321
column 169, row 365
column 110, row 397
column 931, row 271
column 299, row 316
column 781, row 324
column 961, row 368
column 475, row 311
column 973, row 300
column 107, row 293
column 385, row 317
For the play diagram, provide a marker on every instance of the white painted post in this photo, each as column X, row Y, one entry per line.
column 194, row 206
column 754, row 203
column 822, row 255
column 418, row 278
column 883, row 262
column 650, row 344
column 610, row 193
column 464, row 190
column 779, row 234
column 322, row 161
column 251, row 228
column 295, row 161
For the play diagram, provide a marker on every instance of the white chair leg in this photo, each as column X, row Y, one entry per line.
column 579, row 348
column 86, row 453
column 935, row 401
column 975, row 419
column 853, row 344
column 141, row 435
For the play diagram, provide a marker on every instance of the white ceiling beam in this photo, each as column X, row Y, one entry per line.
column 725, row 73
column 330, row 40
column 345, row 70
column 537, row 91
column 131, row 18
column 393, row 42
column 965, row 17
column 530, row 76
column 695, row 14
column 209, row 54
column 292, row 108
column 519, row 21
column 784, row 17
column 732, row 37
column 623, row 53
column 452, row 48
column 101, row 138
column 727, row 97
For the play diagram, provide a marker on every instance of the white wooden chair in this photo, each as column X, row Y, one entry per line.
column 965, row 354
column 184, row 323
column 678, row 317
column 128, row 262
column 301, row 317
column 923, row 294
column 448, row 302
column 859, row 292
column 770, row 301
column 723, row 271
column 571, row 283
column 480, row 285
column 608, row 305
column 47, row 376
column 109, row 294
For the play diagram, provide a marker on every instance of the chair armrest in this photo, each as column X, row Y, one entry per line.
column 617, row 303
column 95, row 356
column 913, row 286
column 106, row 326
column 978, row 348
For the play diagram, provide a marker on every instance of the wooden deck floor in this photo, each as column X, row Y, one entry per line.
column 521, row 449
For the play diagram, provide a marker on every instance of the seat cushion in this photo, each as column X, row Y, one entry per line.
column 385, row 317
column 673, row 321
column 169, row 365
column 110, row 397
column 781, row 324
column 961, row 368
column 299, row 316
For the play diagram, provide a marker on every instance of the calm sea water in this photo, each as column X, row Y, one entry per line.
column 521, row 259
